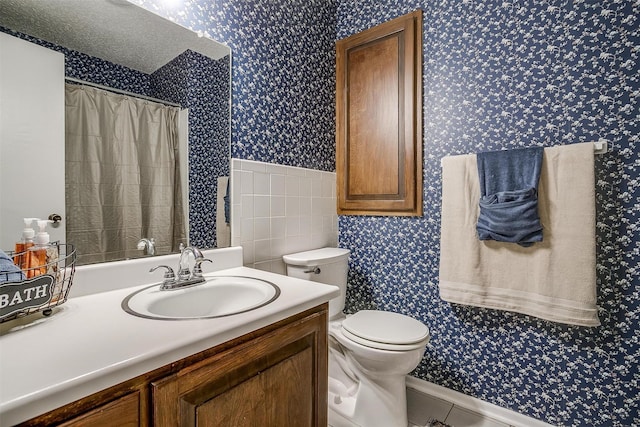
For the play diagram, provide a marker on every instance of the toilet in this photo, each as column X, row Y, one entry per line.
column 370, row 352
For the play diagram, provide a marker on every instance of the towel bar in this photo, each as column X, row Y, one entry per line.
column 600, row 146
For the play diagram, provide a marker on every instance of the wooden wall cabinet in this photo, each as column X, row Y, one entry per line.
column 276, row 376
column 379, row 119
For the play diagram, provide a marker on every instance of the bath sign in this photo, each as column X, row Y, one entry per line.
column 32, row 293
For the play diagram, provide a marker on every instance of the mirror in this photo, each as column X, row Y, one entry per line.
column 136, row 43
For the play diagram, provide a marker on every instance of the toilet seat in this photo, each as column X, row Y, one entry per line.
column 385, row 330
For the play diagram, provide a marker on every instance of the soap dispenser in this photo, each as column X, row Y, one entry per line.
column 42, row 255
column 21, row 257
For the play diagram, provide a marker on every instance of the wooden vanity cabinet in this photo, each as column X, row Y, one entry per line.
column 276, row 376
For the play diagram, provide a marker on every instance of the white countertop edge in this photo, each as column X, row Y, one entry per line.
column 23, row 405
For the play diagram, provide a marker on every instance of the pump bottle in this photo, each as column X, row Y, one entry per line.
column 21, row 258
column 42, row 255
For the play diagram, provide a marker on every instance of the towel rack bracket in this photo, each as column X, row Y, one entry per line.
column 601, row 146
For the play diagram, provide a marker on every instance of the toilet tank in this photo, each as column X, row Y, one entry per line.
column 326, row 265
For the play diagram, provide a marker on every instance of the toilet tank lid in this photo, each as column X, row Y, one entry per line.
column 316, row 256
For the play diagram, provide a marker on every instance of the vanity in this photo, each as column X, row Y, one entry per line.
column 92, row 363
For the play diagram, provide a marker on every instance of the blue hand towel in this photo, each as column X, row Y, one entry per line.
column 9, row 272
column 227, row 204
column 509, row 196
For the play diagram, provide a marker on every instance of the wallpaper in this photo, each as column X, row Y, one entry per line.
column 283, row 78
column 497, row 74
column 506, row 75
column 202, row 85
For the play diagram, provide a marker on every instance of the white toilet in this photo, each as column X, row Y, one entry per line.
column 370, row 352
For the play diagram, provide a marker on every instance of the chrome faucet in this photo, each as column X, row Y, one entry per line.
column 186, row 277
column 183, row 268
column 149, row 246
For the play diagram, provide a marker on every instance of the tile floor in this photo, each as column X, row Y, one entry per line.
column 423, row 407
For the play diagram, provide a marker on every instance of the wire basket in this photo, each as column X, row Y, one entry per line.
column 57, row 275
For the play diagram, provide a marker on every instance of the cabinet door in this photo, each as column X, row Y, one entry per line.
column 124, row 412
column 379, row 119
column 278, row 379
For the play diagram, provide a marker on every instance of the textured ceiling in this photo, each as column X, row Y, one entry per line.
column 115, row 30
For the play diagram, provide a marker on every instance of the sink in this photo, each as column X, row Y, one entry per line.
column 219, row 296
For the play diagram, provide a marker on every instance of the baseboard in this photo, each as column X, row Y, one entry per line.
column 474, row 404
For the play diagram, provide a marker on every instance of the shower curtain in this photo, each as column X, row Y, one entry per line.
column 122, row 175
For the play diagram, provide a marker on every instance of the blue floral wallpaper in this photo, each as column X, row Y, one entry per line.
column 283, row 77
column 504, row 74
column 497, row 74
column 202, row 85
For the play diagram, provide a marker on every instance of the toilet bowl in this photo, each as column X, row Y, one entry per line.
column 370, row 352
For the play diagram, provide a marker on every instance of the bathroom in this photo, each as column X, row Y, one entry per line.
column 496, row 75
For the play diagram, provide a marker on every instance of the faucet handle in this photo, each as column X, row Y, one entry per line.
column 169, row 276
column 197, row 269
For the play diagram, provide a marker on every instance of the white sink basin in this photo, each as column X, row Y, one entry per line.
column 219, row 296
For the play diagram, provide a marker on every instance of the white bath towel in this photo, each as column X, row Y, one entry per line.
column 554, row 279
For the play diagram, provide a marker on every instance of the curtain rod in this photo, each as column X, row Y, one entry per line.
column 122, row 92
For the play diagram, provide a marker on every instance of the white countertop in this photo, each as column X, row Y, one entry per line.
column 90, row 343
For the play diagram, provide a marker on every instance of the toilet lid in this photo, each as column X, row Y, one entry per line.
column 385, row 327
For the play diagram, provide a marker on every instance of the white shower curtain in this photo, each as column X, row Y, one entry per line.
column 122, row 174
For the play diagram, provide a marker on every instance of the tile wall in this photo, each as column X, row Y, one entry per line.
column 278, row 210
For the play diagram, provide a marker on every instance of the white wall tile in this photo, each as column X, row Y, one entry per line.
column 261, row 184
column 261, row 206
column 306, row 227
column 261, row 228
column 246, row 230
column 292, row 226
column 278, row 227
column 262, row 250
column 274, row 169
column 293, row 206
column 327, row 224
column 253, row 166
column 305, row 186
column 305, row 206
column 281, row 210
column 278, row 185
column 278, row 206
column 327, row 187
column 296, row 171
column 278, row 247
column 278, row 266
column 292, row 186
column 263, row 265
column 246, row 206
column 247, row 253
column 236, row 184
column 316, row 186
column 246, row 182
